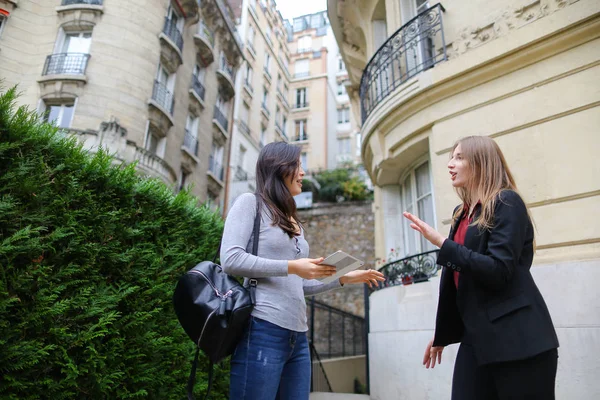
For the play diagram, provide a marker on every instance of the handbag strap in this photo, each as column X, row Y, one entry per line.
column 252, row 287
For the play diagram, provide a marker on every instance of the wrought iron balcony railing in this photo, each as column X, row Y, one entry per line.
column 417, row 46
column 198, row 87
column 221, row 118
column 301, row 137
column 162, row 96
column 170, row 29
column 412, row 269
column 301, row 105
column 206, row 33
column 190, row 142
column 215, row 168
column 244, row 127
column 88, row 2
column 66, row 64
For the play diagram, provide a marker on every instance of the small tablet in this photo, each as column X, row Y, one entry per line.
column 343, row 263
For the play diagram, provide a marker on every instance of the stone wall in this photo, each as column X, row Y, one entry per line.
column 342, row 226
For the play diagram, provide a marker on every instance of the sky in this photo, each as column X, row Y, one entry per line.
column 295, row 8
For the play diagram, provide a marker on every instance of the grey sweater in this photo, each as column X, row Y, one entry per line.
column 279, row 296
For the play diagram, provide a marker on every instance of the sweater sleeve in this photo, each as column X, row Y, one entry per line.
column 239, row 227
column 313, row 286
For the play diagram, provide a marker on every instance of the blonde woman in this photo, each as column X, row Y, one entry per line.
column 488, row 300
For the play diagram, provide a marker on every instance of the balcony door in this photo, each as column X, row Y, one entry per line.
column 73, row 53
column 418, row 49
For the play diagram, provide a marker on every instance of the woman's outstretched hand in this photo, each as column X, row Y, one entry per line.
column 310, row 268
column 368, row 276
column 432, row 354
column 424, row 229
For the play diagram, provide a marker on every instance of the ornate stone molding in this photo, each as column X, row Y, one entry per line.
column 471, row 37
column 79, row 16
column 61, row 87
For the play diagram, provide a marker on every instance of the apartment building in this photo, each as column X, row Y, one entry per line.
column 425, row 73
column 322, row 121
column 261, row 109
column 152, row 81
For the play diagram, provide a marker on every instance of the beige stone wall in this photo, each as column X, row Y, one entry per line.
column 124, row 55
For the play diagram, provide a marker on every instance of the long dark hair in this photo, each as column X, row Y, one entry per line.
column 277, row 162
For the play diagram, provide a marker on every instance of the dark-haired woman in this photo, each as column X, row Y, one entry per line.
column 488, row 300
column 272, row 361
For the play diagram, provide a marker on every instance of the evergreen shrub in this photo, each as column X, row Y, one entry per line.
column 90, row 254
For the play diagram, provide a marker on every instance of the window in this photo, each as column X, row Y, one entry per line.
column 2, row 22
column 215, row 162
column 302, row 68
column 343, row 115
column 301, row 98
column 248, row 75
column 283, row 125
column 183, row 179
column 341, row 89
column 344, row 146
column 251, row 35
column 301, row 130
column 304, row 44
column 277, row 115
column 267, row 62
column 59, row 114
column 299, row 24
column 244, row 113
column 417, row 198
column 76, row 42
column 199, row 73
column 341, row 66
column 175, row 19
column 304, row 161
column 190, row 140
column 265, row 96
column 263, row 136
column 268, row 33
column 154, row 143
column 379, row 33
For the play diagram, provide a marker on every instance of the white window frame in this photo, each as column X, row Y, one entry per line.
column 302, row 66
column 199, row 72
column 301, row 93
column 3, row 21
column 300, row 132
column 343, row 114
column 344, row 146
column 45, row 112
column 421, row 245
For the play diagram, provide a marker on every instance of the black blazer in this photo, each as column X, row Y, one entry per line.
column 497, row 307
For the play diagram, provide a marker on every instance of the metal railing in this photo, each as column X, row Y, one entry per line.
column 251, row 47
column 226, row 67
column 301, row 105
column 162, row 96
column 198, row 87
column 319, row 382
column 88, row 2
column 66, row 64
column 221, row 118
column 304, row 50
column 418, row 45
column 301, row 74
column 241, row 174
column 335, row 332
column 267, row 73
column 413, row 269
column 206, row 33
column 244, row 127
column 301, row 137
column 215, row 168
column 266, row 110
column 190, row 142
column 170, row 29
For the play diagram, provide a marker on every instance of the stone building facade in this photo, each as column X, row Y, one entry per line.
column 425, row 73
column 151, row 80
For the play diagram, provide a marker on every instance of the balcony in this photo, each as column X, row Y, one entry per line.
column 215, row 170
column 197, row 91
column 413, row 269
column 243, row 126
column 190, row 143
column 171, row 47
column 248, row 87
column 225, row 75
column 265, row 110
column 205, row 42
column 415, row 47
column 84, row 14
column 221, row 122
column 240, row 174
column 301, row 137
column 66, row 64
column 268, row 76
column 299, row 75
column 304, row 50
column 161, row 107
column 300, row 105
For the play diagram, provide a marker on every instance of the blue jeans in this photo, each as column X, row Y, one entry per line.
column 270, row 363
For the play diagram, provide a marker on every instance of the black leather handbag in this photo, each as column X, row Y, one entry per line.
column 213, row 309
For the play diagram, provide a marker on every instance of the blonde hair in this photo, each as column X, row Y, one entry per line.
column 490, row 176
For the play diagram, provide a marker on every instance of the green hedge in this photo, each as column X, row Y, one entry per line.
column 89, row 256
